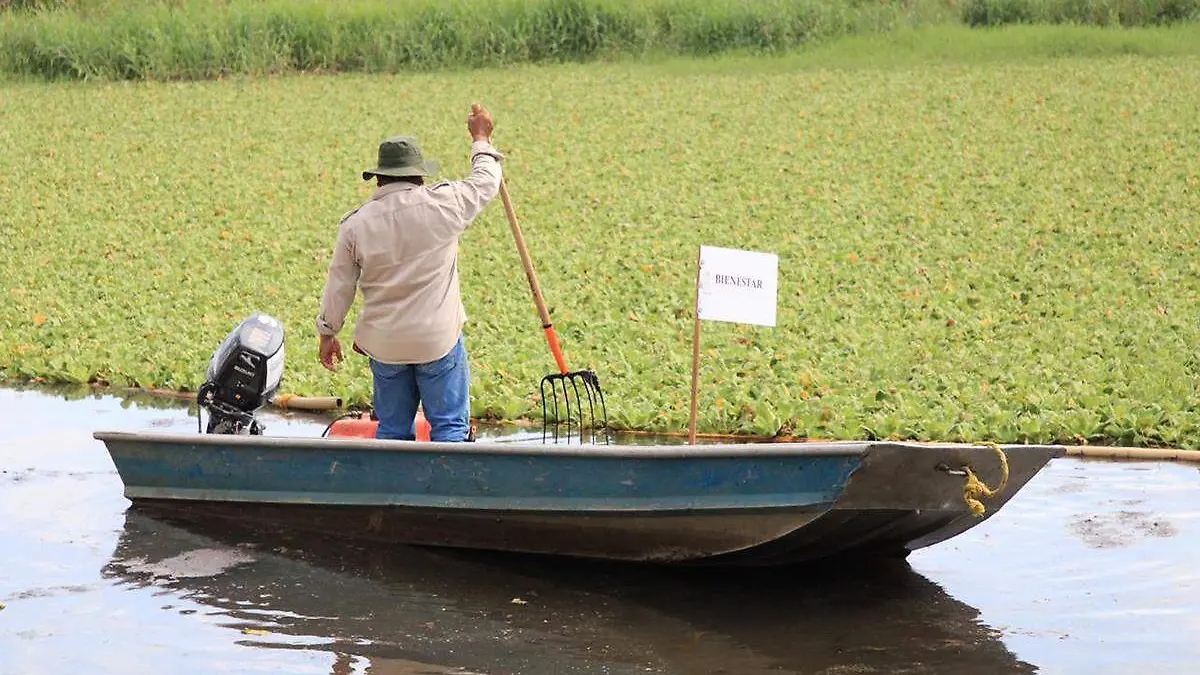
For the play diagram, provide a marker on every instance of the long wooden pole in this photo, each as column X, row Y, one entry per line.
column 531, row 276
column 695, row 358
column 1161, row 454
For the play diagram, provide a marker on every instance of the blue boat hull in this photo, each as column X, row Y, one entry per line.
column 735, row 504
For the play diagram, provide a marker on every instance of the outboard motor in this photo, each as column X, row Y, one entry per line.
column 243, row 376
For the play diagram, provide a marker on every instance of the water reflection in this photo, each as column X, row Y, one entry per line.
column 412, row 610
column 128, row 397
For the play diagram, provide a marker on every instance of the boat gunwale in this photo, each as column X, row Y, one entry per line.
column 786, row 449
column 826, row 449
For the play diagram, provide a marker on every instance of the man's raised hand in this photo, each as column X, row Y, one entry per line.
column 479, row 123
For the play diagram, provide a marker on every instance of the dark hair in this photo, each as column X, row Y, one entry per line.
column 415, row 180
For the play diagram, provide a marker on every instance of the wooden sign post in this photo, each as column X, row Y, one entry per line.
column 734, row 286
column 695, row 351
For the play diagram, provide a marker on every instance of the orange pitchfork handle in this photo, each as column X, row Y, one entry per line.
column 551, row 336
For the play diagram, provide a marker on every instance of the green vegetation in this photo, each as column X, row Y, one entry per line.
column 209, row 39
column 202, row 39
column 1089, row 12
column 997, row 251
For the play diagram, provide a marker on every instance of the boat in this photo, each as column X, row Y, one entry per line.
column 726, row 504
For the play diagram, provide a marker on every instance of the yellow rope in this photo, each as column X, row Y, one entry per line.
column 974, row 488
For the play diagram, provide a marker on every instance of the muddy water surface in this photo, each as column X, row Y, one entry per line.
column 1093, row 568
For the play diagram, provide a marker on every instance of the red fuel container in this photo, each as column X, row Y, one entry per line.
column 365, row 427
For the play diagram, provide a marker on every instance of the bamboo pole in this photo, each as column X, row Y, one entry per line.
column 283, row 401
column 1160, row 454
column 320, row 403
column 317, row 403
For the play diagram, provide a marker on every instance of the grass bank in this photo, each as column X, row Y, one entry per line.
column 202, row 39
column 992, row 251
column 206, row 39
column 1083, row 12
column 957, row 45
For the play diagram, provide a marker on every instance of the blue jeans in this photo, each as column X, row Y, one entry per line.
column 442, row 387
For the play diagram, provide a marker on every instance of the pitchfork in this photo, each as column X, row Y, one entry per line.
column 569, row 382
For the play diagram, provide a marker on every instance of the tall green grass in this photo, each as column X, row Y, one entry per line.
column 1088, row 12
column 199, row 39
column 205, row 39
column 957, row 44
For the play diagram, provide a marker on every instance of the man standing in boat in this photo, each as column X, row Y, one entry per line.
column 401, row 249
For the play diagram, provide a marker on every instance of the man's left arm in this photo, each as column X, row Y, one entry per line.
column 340, row 286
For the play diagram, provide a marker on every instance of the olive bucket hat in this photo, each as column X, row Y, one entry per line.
column 401, row 156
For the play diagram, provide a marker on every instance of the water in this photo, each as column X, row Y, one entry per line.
column 1092, row 568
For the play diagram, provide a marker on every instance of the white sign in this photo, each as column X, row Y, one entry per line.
column 738, row 286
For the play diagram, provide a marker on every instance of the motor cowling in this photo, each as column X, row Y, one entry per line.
column 244, row 375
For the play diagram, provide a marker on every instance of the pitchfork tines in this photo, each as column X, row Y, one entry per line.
column 581, row 386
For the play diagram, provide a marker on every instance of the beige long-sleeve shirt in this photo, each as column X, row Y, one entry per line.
column 401, row 249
